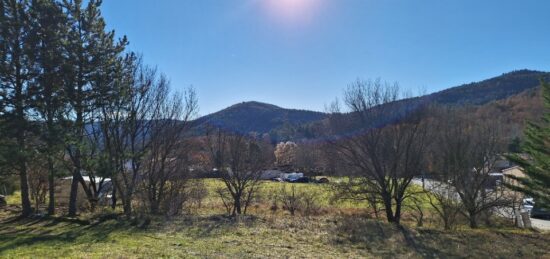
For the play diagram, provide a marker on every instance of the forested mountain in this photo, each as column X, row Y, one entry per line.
column 497, row 88
column 258, row 117
column 288, row 124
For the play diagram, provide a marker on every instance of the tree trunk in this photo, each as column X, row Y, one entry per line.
column 25, row 200
column 446, row 225
column 51, row 187
column 24, row 181
column 526, row 220
column 389, row 210
column 126, row 201
column 113, row 195
column 127, row 207
column 74, row 193
column 397, row 215
column 473, row 220
column 519, row 218
column 237, row 205
column 154, row 206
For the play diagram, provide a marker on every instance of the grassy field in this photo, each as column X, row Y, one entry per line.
column 341, row 232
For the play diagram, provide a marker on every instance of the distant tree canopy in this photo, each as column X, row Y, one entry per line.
column 285, row 154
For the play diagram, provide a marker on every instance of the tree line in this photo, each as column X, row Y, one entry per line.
column 393, row 143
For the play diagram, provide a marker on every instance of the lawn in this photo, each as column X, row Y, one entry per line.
column 341, row 232
column 278, row 237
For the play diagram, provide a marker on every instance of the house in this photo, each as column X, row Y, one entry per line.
column 501, row 172
column 514, row 171
column 508, row 173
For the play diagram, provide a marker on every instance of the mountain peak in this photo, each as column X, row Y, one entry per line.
column 253, row 105
column 524, row 72
column 254, row 116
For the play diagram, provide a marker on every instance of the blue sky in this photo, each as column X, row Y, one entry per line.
column 302, row 53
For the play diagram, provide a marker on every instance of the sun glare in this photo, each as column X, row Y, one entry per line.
column 293, row 11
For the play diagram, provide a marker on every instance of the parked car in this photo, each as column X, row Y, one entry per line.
column 540, row 212
column 527, row 204
column 323, row 180
column 304, row 179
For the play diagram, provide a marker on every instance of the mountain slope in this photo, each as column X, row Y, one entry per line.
column 288, row 124
column 480, row 94
column 497, row 88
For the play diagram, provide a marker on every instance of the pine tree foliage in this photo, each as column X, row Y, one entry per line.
column 536, row 164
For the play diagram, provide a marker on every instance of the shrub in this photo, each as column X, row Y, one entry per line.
column 310, row 202
column 305, row 202
column 291, row 201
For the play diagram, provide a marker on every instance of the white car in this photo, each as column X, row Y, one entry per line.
column 528, row 204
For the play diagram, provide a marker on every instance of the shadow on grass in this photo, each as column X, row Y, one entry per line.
column 387, row 240
column 59, row 232
column 18, row 232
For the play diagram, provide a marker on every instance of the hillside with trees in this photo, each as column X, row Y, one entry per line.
column 260, row 118
column 497, row 88
column 507, row 97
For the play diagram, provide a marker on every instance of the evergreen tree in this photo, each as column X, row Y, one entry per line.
column 16, row 73
column 92, row 58
column 49, row 29
column 536, row 182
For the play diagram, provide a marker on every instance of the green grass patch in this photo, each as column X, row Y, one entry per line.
column 341, row 231
column 14, row 199
column 217, row 236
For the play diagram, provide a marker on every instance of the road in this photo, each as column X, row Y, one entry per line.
column 541, row 224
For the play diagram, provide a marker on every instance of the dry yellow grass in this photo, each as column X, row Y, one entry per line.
column 339, row 231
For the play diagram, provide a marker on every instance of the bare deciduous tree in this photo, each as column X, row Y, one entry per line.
column 38, row 181
column 146, row 96
column 290, row 200
column 309, row 158
column 241, row 160
column 446, row 203
column 466, row 153
column 388, row 150
column 286, row 154
column 167, row 163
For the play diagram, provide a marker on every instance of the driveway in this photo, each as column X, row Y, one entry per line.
column 432, row 185
column 541, row 224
